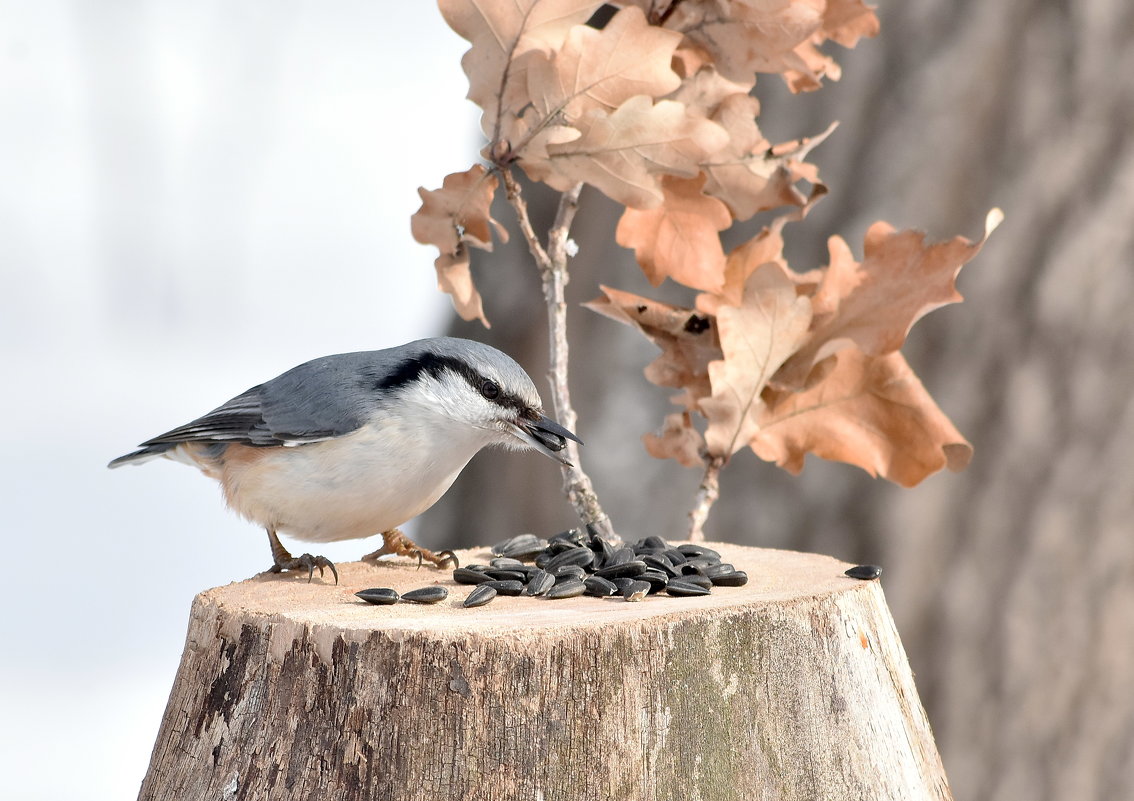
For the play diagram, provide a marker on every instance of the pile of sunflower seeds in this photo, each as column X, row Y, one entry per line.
column 580, row 562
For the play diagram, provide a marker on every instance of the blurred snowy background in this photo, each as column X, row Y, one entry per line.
column 194, row 197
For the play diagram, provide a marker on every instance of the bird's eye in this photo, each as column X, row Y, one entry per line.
column 490, row 390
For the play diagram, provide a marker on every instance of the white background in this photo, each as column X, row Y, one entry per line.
column 194, row 197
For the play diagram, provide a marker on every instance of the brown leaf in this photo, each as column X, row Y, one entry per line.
column 454, row 277
column 756, row 337
column 603, row 69
column 874, row 304
column 500, row 33
column 847, row 21
column 871, row 411
column 754, row 177
column 680, row 238
column 748, row 36
column 624, row 154
column 678, row 440
column 452, row 218
column 688, row 340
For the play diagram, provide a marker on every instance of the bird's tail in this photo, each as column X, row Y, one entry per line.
column 142, row 455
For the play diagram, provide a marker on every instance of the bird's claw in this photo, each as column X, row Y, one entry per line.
column 306, row 561
column 395, row 542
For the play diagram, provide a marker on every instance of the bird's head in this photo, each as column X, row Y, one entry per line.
column 470, row 384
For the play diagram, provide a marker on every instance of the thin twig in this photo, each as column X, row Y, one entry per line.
column 707, row 494
column 552, row 264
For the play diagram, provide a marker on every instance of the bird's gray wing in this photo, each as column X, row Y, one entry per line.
column 317, row 400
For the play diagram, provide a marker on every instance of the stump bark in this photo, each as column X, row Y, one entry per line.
column 795, row 686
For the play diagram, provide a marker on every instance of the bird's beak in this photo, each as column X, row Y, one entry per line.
column 546, row 436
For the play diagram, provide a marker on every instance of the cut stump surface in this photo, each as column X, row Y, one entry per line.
column 794, row 686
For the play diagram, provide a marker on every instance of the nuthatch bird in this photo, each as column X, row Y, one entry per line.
column 353, row 445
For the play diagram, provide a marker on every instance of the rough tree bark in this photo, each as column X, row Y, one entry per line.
column 1012, row 582
column 792, row 687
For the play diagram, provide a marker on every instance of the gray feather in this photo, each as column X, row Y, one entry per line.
column 335, row 395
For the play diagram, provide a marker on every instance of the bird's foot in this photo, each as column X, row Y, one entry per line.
column 395, row 542
column 282, row 560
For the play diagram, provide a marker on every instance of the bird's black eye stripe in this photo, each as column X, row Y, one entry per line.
column 411, row 369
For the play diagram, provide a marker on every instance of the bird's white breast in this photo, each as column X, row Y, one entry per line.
column 357, row 485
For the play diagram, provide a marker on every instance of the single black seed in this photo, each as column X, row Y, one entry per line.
column 689, row 549
column 568, row 572
column 674, row 556
column 540, row 582
column 703, row 563
column 636, row 591
column 659, row 562
column 582, row 557
column 506, row 587
column 528, row 551
column 681, row 588
column 865, row 572
column 592, row 531
column 620, row 583
column 602, row 550
column 426, row 595
column 622, row 570
column 688, row 569
column 567, row 589
column 620, row 556
column 506, row 563
column 718, row 569
column 656, row 578
column 699, row 580
column 599, row 587
column 466, row 575
column 654, row 541
column 507, row 575
column 737, row 578
column 520, row 541
column 480, row 596
column 379, row 595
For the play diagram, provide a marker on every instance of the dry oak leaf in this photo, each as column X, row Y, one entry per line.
column 847, row 21
column 749, row 36
column 756, row 338
column 451, row 218
column 680, row 238
column 603, row 69
column 873, row 304
column 501, row 31
column 870, row 411
column 688, row 340
column 677, row 440
column 625, row 153
column 751, row 178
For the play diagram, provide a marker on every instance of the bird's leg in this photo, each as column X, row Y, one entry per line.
column 394, row 541
column 285, row 561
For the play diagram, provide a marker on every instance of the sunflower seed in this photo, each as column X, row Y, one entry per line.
column 379, row 595
column 656, row 578
column 507, row 575
column 865, row 572
column 718, row 569
column 582, row 557
column 506, row 587
column 674, row 556
column 480, row 595
column 622, row 570
column 701, row 581
column 656, row 543
column 689, row 549
column 568, row 571
column 540, row 582
column 506, row 563
column 567, row 589
column 636, row 591
column 620, row 583
column 426, row 595
column 619, row 557
column 599, row 587
column 737, row 578
column 521, row 542
column 659, row 562
column 466, row 575
column 682, row 588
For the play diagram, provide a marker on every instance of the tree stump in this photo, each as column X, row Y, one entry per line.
column 794, row 686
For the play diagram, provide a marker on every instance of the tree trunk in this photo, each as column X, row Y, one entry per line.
column 792, row 687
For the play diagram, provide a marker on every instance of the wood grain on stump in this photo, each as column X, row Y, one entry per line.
column 792, row 687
